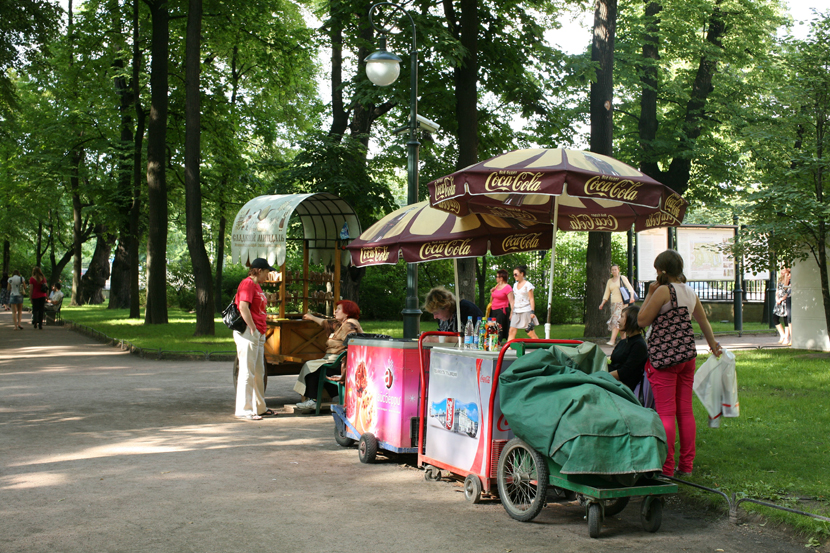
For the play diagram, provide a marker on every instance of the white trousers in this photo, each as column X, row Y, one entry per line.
column 250, row 385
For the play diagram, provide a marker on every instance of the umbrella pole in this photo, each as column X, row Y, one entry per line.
column 457, row 303
column 552, row 262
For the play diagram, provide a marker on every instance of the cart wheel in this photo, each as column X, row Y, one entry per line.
column 341, row 438
column 367, row 449
column 651, row 514
column 616, row 506
column 472, row 488
column 594, row 519
column 522, row 478
column 432, row 474
column 236, row 376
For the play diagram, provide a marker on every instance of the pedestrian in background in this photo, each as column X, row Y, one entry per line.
column 614, row 293
column 250, row 344
column 4, row 292
column 39, row 291
column 781, row 311
column 17, row 289
column 501, row 299
column 524, row 305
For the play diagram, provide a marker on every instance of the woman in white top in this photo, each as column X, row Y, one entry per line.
column 523, row 305
column 17, row 289
column 672, row 386
column 612, row 291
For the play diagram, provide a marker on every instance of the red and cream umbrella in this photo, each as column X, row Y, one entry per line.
column 568, row 189
column 418, row 233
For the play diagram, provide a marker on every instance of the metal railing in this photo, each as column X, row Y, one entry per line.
column 753, row 291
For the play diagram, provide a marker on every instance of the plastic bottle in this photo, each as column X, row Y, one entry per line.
column 493, row 335
column 468, row 333
column 482, row 335
column 476, row 334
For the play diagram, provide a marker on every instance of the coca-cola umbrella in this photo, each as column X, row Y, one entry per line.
column 569, row 189
column 418, row 233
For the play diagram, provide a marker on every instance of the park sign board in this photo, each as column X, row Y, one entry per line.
column 261, row 227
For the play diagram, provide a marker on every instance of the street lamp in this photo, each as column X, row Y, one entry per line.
column 383, row 69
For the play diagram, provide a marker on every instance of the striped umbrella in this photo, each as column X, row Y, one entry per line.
column 575, row 190
column 418, row 233
column 568, row 189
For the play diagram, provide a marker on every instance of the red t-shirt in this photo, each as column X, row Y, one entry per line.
column 251, row 292
column 34, row 286
column 499, row 298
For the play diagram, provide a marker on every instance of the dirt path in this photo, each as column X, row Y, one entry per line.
column 104, row 451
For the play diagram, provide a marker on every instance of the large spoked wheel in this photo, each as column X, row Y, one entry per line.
column 472, row 488
column 367, row 449
column 594, row 519
column 651, row 514
column 522, row 479
column 615, row 506
column 236, row 376
column 341, row 438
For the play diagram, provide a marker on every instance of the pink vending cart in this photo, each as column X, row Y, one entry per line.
column 380, row 408
column 461, row 423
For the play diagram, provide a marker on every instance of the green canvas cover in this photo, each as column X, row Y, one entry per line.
column 562, row 403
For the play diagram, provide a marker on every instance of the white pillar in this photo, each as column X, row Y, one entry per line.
column 809, row 324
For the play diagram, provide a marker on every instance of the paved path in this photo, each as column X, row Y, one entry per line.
column 104, row 451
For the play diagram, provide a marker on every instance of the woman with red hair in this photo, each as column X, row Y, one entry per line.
column 345, row 322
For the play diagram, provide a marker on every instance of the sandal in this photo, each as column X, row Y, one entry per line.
column 252, row 417
column 268, row 413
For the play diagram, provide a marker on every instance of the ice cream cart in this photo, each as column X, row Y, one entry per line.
column 462, row 428
column 382, row 397
column 311, row 228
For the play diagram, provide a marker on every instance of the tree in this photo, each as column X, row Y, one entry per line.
column 598, row 259
column 789, row 138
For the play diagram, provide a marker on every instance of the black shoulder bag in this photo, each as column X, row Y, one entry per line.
column 233, row 318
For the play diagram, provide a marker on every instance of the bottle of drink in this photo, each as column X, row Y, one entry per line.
column 493, row 335
column 476, row 331
column 482, row 335
column 468, row 333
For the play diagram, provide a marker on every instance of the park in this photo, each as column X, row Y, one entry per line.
column 155, row 154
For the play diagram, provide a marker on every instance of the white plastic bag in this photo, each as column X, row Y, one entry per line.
column 716, row 385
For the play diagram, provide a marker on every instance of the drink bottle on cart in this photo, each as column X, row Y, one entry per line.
column 468, row 333
column 493, row 335
column 482, row 335
column 476, row 335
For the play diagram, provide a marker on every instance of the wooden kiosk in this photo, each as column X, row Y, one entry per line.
column 319, row 223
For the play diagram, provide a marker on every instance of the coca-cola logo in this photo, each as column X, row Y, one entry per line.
column 673, row 205
column 449, row 205
column 376, row 254
column 446, row 248
column 521, row 242
column 659, row 219
column 613, row 188
column 513, row 213
column 444, row 188
column 513, row 181
column 593, row 222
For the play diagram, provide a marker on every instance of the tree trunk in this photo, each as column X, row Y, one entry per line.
column 7, row 255
column 156, row 310
column 598, row 258
column 135, row 208
column 465, row 27
column 650, row 82
column 481, row 276
column 350, row 283
column 192, row 158
column 339, row 116
column 220, row 260
column 98, row 272
column 77, row 225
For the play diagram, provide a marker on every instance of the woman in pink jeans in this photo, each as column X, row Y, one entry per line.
column 672, row 386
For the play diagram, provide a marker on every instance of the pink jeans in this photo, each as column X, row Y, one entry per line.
column 672, row 388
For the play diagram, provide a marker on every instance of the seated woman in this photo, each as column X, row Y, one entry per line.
column 628, row 359
column 345, row 322
column 441, row 303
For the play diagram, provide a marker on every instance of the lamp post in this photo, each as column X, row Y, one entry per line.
column 383, row 68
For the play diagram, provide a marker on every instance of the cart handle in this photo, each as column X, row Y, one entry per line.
column 519, row 345
column 421, row 409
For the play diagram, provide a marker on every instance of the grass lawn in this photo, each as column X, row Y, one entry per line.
column 778, row 450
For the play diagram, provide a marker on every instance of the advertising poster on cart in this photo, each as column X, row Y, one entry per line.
column 458, row 410
column 381, row 394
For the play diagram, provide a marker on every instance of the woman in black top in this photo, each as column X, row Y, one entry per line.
column 629, row 357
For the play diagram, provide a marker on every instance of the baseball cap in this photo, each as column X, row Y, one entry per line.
column 260, row 263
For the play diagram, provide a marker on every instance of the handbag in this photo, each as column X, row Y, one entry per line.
column 626, row 295
column 44, row 288
column 233, row 318
column 672, row 339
